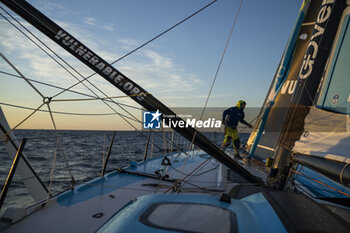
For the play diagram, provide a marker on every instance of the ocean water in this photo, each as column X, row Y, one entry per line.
column 84, row 151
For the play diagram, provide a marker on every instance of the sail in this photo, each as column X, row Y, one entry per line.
column 271, row 120
column 325, row 135
column 326, row 132
column 302, row 117
column 31, row 180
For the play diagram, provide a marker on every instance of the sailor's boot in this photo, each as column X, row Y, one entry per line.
column 237, row 144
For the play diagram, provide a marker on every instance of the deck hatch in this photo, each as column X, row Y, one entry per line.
column 189, row 217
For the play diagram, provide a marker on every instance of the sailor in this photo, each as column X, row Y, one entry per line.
column 230, row 119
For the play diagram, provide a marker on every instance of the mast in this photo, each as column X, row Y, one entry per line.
column 310, row 77
column 119, row 80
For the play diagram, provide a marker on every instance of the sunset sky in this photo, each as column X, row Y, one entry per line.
column 177, row 68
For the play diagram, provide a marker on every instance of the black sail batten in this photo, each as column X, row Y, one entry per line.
column 310, row 77
column 119, row 80
column 337, row 171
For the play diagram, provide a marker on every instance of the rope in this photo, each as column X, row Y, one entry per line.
column 67, row 164
column 161, row 178
column 58, row 143
column 64, row 67
column 40, row 46
column 219, row 66
column 111, row 63
column 321, row 183
column 99, row 98
column 72, row 91
column 78, row 72
column 64, row 113
column 162, row 33
column 21, row 75
column 190, row 176
column 154, row 38
column 182, row 167
column 197, row 174
column 50, row 99
column 52, row 172
column 122, row 116
column 205, row 161
column 250, row 122
column 5, row 135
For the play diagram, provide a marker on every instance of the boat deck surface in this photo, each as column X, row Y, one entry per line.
column 90, row 205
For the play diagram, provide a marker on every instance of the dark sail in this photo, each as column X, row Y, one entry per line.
column 310, row 77
column 289, row 71
column 119, row 80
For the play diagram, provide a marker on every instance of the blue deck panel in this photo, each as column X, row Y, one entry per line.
column 115, row 180
column 97, row 187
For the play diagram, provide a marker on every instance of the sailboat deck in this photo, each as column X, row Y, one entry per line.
column 96, row 201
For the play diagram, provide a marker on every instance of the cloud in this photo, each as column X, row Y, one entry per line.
column 44, row 5
column 158, row 72
column 129, row 42
column 93, row 22
column 90, row 21
column 151, row 69
column 108, row 27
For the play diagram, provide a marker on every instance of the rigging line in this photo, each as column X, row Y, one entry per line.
column 73, row 69
column 40, row 46
column 196, row 170
column 67, row 164
column 64, row 113
column 189, row 174
column 321, row 183
column 37, row 43
column 161, row 178
column 69, row 66
column 52, row 173
column 53, row 121
column 154, row 38
column 167, row 30
column 309, row 95
column 21, row 75
column 99, row 98
column 294, row 110
column 307, row 189
column 197, row 174
column 137, row 49
column 58, row 144
column 59, row 62
column 5, row 135
column 63, row 66
column 124, row 55
column 72, row 91
column 250, row 122
column 219, row 66
column 182, row 167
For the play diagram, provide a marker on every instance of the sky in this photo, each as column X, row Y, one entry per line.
column 177, row 68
